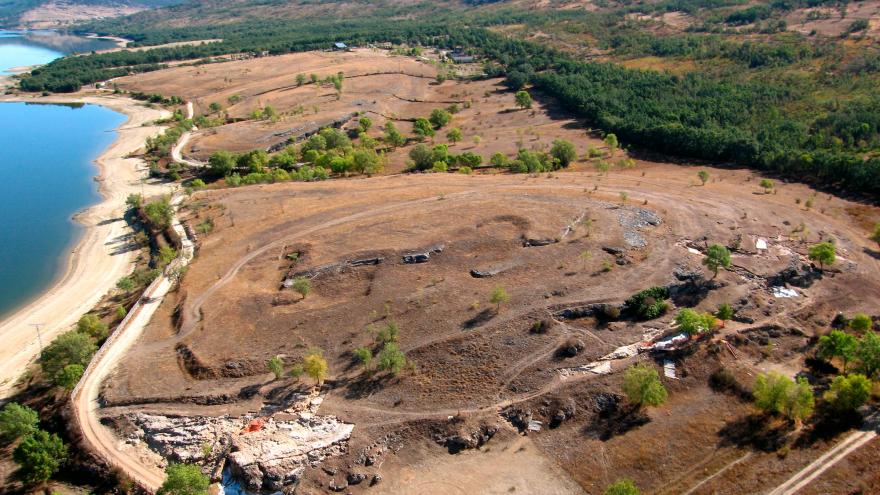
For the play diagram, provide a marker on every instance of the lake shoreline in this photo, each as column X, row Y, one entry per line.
column 91, row 269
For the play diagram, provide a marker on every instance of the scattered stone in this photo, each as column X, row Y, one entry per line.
column 356, row 478
column 530, row 242
column 376, row 479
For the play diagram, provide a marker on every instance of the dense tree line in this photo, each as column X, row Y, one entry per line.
column 693, row 115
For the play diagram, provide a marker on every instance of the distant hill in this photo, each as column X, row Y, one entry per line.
column 11, row 11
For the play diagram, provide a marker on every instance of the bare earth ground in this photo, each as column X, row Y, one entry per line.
column 101, row 257
column 58, row 14
column 204, row 352
column 469, row 359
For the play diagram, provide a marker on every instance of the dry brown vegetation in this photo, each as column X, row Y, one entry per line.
column 205, row 351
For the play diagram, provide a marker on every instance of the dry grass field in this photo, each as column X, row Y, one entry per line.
column 476, row 364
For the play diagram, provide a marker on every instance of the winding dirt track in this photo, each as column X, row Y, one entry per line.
column 98, row 438
column 834, row 455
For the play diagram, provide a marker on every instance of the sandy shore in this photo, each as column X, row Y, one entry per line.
column 92, row 267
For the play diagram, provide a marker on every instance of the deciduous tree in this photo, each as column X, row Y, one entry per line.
column 848, row 393
column 837, row 344
column 17, row 421
column 523, row 99
column 39, row 456
column 717, row 256
column 824, row 252
column 642, row 386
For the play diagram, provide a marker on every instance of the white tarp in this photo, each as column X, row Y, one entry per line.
column 784, row 292
column 761, row 244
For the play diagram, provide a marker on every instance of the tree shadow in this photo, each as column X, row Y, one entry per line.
column 872, row 253
column 755, row 431
column 615, row 420
column 366, row 384
column 479, row 319
column 828, row 424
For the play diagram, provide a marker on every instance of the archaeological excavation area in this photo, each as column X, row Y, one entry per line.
column 502, row 295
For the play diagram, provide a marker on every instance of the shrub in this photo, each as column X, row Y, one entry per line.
column 725, row 312
column 649, row 303
column 622, row 487
column 365, row 356
column 184, row 479
column 302, row 285
column 276, row 366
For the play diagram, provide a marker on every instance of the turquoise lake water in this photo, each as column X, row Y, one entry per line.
column 46, row 161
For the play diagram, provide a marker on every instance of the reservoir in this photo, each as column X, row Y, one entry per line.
column 46, row 162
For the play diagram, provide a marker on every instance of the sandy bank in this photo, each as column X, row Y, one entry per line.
column 99, row 258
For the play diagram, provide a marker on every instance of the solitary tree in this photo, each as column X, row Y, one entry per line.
column 642, row 386
column 125, row 284
column 767, row 185
column 717, row 256
column 184, row 479
column 276, row 366
column 300, row 79
column 837, row 344
column 612, row 143
column 439, row 117
column 848, row 393
column 315, row 366
column 302, row 285
column 523, row 99
column 622, row 487
column 563, row 151
column 391, row 358
column 17, row 421
column 704, row 176
column 454, row 135
column 39, row 456
column 499, row 296
column 824, row 252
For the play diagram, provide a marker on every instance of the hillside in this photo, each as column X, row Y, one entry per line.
column 51, row 13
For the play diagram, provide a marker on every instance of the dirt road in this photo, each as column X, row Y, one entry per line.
column 85, row 396
column 103, row 254
column 803, row 477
